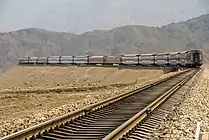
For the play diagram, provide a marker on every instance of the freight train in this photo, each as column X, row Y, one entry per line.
column 191, row 58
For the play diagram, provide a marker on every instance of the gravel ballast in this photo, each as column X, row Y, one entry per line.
column 181, row 123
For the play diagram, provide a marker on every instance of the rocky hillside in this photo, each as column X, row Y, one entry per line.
column 192, row 34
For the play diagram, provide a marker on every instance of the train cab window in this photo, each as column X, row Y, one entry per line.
column 196, row 57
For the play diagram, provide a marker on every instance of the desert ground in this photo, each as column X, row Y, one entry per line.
column 27, row 77
column 29, row 95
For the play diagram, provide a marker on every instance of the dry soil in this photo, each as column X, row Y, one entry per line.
column 23, row 105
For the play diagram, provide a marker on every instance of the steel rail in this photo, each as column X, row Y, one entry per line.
column 128, row 127
column 45, row 126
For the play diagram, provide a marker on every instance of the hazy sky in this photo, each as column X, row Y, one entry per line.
column 83, row 15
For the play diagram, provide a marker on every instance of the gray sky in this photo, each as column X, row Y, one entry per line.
column 78, row 16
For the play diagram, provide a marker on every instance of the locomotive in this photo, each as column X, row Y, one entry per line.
column 191, row 58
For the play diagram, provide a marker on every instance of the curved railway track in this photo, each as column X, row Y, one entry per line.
column 109, row 119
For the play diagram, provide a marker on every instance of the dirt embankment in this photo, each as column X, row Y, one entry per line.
column 65, row 77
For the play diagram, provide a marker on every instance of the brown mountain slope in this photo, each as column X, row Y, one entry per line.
column 192, row 34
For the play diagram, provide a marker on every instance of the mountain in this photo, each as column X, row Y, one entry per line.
column 191, row 34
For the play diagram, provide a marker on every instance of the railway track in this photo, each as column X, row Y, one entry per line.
column 109, row 119
column 143, row 124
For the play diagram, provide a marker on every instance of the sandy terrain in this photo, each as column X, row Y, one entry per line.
column 50, row 77
column 28, row 101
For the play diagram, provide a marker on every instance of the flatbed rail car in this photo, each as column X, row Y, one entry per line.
column 191, row 58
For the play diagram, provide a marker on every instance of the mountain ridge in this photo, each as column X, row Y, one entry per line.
column 191, row 34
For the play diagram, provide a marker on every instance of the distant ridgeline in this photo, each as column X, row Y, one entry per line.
column 191, row 58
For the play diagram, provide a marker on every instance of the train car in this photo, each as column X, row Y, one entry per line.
column 96, row 60
column 197, row 58
column 162, row 59
column 147, row 59
column 194, row 58
column 67, row 60
column 130, row 59
column 42, row 60
column 32, row 60
column 113, row 60
column 191, row 58
column 184, row 57
column 174, row 59
column 24, row 60
column 54, row 60
column 81, row 59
